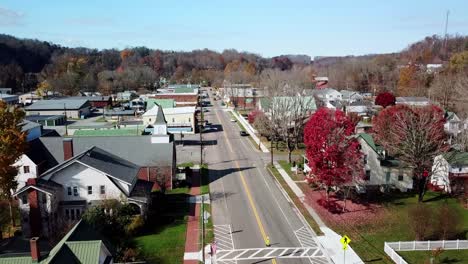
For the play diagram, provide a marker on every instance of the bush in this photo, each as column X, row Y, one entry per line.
column 385, row 99
column 448, row 222
column 135, row 226
column 420, row 220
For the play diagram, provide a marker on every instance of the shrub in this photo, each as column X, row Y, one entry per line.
column 448, row 222
column 420, row 220
column 135, row 225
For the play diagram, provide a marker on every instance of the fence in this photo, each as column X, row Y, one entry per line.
column 390, row 248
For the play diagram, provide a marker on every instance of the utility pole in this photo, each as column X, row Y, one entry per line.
column 203, row 223
column 66, row 121
column 201, row 129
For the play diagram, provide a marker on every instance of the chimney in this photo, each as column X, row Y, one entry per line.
column 67, row 148
column 35, row 252
column 31, row 181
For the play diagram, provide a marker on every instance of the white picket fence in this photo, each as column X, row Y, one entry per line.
column 391, row 248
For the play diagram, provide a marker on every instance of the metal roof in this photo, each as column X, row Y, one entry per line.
column 138, row 150
column 109, row 132
column 164, row 103
column 27, row 125
column 58, row 104
column 90, row 98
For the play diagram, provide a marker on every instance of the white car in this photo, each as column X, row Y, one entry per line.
column 233, row 120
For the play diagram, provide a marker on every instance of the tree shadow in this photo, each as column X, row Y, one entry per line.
column 441, row 196
column 196, row 142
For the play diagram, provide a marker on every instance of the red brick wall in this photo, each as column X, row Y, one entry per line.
column 153, row 174
column 67, row 148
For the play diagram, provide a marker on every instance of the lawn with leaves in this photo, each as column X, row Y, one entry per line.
column 387, row 220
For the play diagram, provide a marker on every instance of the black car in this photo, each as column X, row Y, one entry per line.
column 244, row 133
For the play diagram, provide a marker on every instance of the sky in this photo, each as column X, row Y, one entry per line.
column 268, row 28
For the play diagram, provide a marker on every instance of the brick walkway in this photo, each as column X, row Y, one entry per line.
column 191, row 238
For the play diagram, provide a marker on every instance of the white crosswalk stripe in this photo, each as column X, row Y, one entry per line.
column 224, row 241
column 305, row 237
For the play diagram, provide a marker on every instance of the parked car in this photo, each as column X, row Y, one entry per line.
column 244, row 133
column 233, row 120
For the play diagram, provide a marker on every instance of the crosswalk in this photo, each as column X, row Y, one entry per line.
column 226, row 253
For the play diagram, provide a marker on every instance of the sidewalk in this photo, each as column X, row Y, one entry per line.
column 251, row 130
column 192, row 248
column 330, row 241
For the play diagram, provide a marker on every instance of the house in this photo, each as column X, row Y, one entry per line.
column 47, row 120
column 364, row 126
column 9, row 99
column 29, row 98
column 69, row 108
column 66, row 190
column 351, row 96
column 328, row 97
column 82, row 244
column 381, row 170
column 453, row 124
column 154, row 154
column 178, row 119
column 95, row 101
column 126, row 96
column 413, row 101
column 308, row 103
column 450, row 172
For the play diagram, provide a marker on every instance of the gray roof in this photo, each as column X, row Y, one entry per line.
column 160, row 119
column 110, row 164
column 412, row 99
column 58, row 104
column 136, row 149
column 27, row 125
column 43, row 117
column 90, row 98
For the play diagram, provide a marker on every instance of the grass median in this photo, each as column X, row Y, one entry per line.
column 274, row 172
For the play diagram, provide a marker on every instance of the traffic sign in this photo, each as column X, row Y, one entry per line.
column 345, row 240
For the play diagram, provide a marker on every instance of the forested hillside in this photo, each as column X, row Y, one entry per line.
column 28, row 64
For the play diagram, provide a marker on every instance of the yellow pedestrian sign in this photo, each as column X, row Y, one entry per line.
column 345, row 241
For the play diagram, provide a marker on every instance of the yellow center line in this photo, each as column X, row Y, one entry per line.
column 247, row 190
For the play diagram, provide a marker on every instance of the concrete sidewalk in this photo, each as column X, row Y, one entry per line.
column 330, row 241
column 250, row 129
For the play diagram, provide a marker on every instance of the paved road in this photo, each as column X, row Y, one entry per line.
column 247, row 204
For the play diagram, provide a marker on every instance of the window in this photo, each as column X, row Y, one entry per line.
column 367, row 177
column 400, row 177
column 24, row 199
column 365, row 159
column 75, row 191
column 173, row 120
column 190, row 119
column 103, row 189
column 67, row 214
column 78, row 213
column 460, row 169
column 72, row 214
column 69, row 190
column 387, row 176
column 149, row 120
column 26, row 169
column 90, row 190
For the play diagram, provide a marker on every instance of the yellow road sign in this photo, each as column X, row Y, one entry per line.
column 345, row 241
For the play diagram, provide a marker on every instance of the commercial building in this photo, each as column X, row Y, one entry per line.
column 69, row 108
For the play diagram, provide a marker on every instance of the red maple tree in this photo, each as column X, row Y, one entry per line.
column 333, row 153
column 414, row 135
column 385, row 99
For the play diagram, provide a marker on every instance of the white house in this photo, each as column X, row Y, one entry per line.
column 381, row 170
column 351, row 96
column 68, row 189
column 180, row 119
column 450, row 172
column 453, row 125
column 329, row 97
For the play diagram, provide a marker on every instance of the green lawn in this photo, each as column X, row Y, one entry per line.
column 368, row 239
column 423, row 257
column 274, row 172
column 165, row 244
column 163, row 240
column 287, row 167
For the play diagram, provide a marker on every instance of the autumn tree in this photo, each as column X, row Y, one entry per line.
column 414, row 135
column 448, row 88
column 385, row 99
column 332, row 151
column 253, row 115
column 12, row 146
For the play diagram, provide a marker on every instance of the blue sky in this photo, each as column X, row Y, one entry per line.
column 269, row 28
